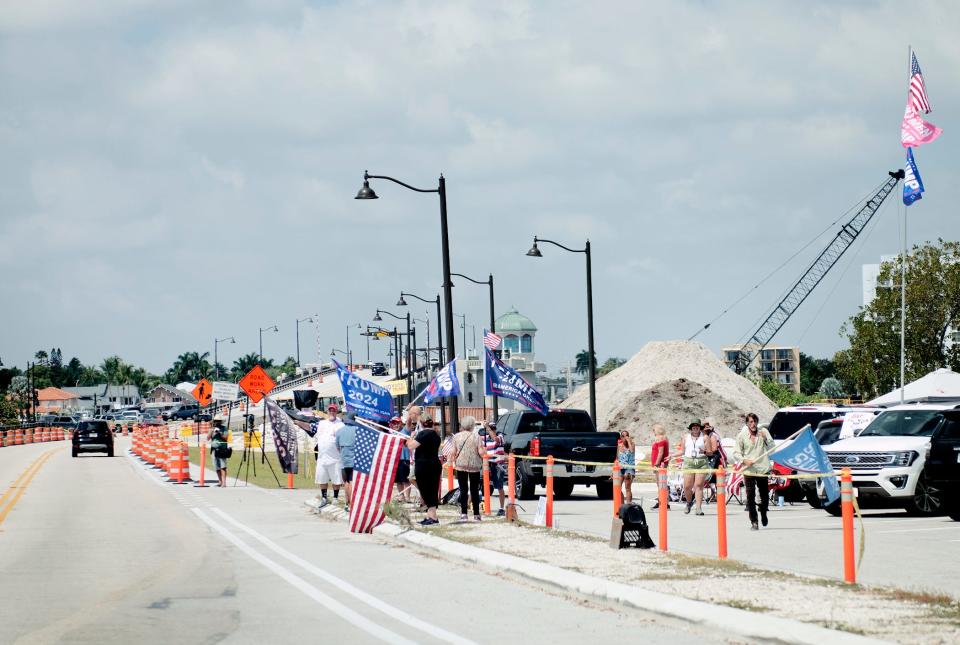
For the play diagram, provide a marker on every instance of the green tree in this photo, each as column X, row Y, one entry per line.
column 245, row 363
column 9, row 412
column 189, row 366
column 288, row 367
column 610, row 364
column 832, row 388
column 582, row 364
column 813, row 371
column 871, row 366
column 781, row 395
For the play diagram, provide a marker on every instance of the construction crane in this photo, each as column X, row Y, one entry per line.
column 813, row 275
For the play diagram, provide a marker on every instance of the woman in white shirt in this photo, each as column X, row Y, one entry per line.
column 694, row 458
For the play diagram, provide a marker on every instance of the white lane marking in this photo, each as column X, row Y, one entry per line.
column 343, row 585
column 332, row 604
column 934, row 528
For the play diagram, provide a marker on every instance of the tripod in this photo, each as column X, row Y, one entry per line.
column 248, row 457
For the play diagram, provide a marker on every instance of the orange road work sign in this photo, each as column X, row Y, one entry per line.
column 257, row 383
column 203, row 393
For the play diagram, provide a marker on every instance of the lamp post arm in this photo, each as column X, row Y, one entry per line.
column 429, row 302
column 381, row 311
column 397, row 181
column 565, row 248
column 460, row 275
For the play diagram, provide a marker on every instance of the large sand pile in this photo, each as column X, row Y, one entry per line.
column 671, row 382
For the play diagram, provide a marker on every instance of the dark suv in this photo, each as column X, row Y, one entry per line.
column 93, row 436
column 185, row 412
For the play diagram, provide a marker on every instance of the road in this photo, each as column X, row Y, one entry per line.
column 902, row 551
column 99, row 550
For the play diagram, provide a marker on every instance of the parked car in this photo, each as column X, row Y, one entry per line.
column 890, row 459
column 377, row 369
column 151, row 417
column 565, row 434
column 183, row 412
column 827, row 433
column 92, row 436
column 63, row 421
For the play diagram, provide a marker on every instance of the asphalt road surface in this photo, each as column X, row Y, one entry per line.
column 99, row 550
column 900, row 550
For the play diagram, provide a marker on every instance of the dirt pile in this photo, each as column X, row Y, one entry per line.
column 671, row 382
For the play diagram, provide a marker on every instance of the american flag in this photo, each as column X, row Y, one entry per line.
column 374, row 468
column 491, row 341
column 918, row 92
column 735, row 483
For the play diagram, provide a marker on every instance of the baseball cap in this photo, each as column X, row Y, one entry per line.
column 334, row 407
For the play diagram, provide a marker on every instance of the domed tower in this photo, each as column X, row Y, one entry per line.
column 518, row 333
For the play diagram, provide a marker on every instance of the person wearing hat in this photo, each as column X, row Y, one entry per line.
column 694, row 458
column 329, row 467
column 493, row 446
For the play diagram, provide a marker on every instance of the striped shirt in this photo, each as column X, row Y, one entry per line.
column 494, row 446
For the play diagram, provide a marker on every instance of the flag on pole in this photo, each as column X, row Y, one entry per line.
column 284, row 436
column 914, row 131
column 912, row 184
column 491, row 340
column 374, row 468
column 444, row 383
column 918, row 91
column 805, row 455
column 503, row 380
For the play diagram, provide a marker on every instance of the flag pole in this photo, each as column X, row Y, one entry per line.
column 903, row 264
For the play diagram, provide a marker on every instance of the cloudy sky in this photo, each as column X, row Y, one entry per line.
column 176, row 171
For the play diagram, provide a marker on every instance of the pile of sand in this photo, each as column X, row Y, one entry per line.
column 672, row 382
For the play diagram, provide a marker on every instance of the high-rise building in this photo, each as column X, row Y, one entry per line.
column 774, row 362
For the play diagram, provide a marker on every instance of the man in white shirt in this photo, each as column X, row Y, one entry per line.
column 329, row 469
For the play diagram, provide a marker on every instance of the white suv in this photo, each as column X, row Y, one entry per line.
column 887, row 459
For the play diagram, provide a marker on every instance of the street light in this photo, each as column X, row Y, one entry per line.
column 300, row 320
column 534, row 252
column 489, row 283
column 366, row 192
column 377, row 318
column 349, row 353
column 463, row 326
column 216, row 361
column 403, row 303
column 272, row 328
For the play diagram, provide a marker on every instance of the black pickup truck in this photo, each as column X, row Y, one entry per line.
column 565, row 434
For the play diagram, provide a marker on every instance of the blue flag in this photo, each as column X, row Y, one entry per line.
column 504, row 381
column 444, row 383
column 805, row 455
column 912, row 184
column 364, row 398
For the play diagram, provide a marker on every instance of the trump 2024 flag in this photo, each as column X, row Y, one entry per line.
column 445, row 383
column 376, row 455
column 912, row 184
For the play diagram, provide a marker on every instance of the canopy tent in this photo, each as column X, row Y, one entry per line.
column 938, row 385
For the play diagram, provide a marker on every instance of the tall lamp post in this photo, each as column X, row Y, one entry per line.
column 534, row 252
column 403, row 303
column 349, row 353
column 463, row 326
column 216, row 360
column 300, row 320
column 367, row 193
column 272, row 328
column 489, row 283
column 377, row 318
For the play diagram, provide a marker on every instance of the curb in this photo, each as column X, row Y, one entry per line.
column 743, row 623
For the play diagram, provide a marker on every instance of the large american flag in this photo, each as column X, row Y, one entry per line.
column 918, row 92
column 491, row 340
column 374, row 468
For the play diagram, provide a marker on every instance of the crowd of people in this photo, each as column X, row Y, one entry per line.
column 420, row 467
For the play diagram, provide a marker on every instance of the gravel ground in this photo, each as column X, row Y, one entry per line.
column 901, row 616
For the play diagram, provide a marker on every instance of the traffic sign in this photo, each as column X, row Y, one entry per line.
column 203, row 393
column 257, row 383
column 225, row 391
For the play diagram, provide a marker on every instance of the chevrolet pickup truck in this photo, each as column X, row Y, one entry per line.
column 565, row 434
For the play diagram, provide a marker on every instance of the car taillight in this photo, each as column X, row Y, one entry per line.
column 535, row 447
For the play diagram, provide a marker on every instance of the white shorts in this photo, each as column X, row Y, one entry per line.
column 329, row 474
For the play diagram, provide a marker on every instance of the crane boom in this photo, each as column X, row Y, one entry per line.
column 813, row 275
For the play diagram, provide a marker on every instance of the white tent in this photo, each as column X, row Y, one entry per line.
column 939, row 385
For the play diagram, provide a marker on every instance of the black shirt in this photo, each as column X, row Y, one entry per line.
column 429, row 448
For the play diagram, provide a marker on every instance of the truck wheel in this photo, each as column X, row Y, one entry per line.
column 110, row 451
column 927, row 499
column 813, row 499
column 562, row 489
column 604, row 490
column 524, row 488
column 73, row 451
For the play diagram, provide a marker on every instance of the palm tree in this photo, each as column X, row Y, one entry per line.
column 583, row 362
column 245, row 363
column 189, row 366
